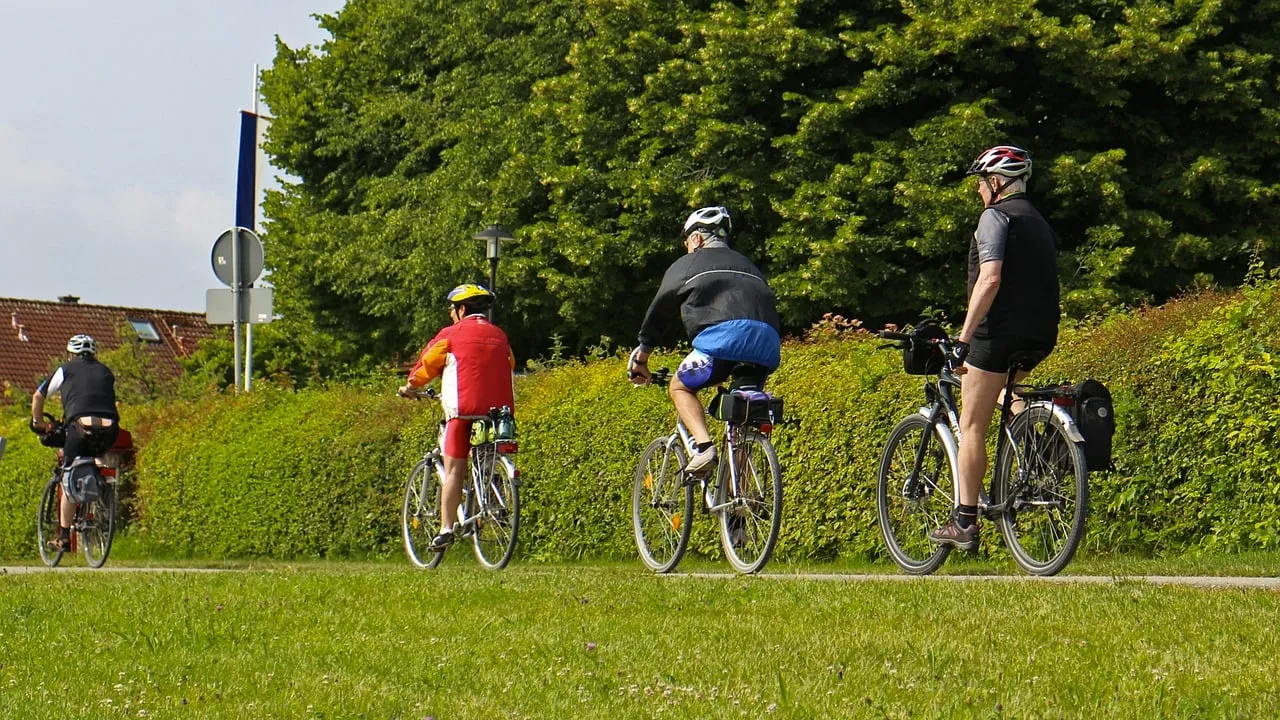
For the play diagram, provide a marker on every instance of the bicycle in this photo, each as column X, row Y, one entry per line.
column 94, row 524
column 1039, row 491
column 490, row 509
column 746, row 492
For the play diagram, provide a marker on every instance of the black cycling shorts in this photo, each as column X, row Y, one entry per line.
column 993, row 354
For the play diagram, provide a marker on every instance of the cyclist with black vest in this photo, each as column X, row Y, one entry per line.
column 89, row 414
column 730, row 315
column 1013, row 308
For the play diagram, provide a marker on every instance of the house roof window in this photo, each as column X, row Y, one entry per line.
column 146, row 330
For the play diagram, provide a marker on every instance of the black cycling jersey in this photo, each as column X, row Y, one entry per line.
column 1026, row 305
column 88, row 389
column 709, row 286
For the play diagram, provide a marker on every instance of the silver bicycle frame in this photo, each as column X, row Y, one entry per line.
column 730, row 447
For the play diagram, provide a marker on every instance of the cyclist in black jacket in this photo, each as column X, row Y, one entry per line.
column 89, row 414
column 1013, row 308
column 729, row 314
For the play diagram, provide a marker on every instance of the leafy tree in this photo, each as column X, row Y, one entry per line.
column 834, row 132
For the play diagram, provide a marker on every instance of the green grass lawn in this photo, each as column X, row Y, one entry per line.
column 614, row 642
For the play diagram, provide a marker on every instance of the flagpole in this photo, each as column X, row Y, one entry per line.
column 248, row 333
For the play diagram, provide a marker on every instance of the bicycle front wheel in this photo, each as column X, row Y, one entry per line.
column 1042, row 477
column 914, row 499
column 497, row 514
column 749, row 526
column 98, row 526
column 420, row 518
column 661, row 505
column 47, row 522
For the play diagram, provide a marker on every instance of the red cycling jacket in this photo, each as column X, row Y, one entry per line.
column 474, row 361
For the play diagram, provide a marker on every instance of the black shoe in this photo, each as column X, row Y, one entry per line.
column 955, row 536
column 442, row 541
column 59, row 544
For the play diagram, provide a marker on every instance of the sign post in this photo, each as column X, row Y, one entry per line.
column 237, row 261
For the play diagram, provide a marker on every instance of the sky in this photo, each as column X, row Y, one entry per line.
column 119, row 127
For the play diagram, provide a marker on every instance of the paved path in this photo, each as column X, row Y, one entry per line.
column 33, row 569
column 1204, row 581
column 1263, row 583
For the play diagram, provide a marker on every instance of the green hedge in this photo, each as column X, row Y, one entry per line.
column 318, row 473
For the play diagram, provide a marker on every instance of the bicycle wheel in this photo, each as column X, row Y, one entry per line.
column 749, row 527
column 909, row 513
column 420, row 518
column 1043, row 475
column 47, row 522
column 98, row 525
column 497, row 513
column 661, row 505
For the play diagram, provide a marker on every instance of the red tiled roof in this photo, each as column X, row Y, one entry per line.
column 33, row 335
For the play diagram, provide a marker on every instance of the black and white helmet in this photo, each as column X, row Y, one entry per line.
column 714, row 220
column 82, row 345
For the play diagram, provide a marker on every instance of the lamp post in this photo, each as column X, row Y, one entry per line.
column 493, row 237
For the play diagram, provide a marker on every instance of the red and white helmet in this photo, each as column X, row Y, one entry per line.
column 1006, row 160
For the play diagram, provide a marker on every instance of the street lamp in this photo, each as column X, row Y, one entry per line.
column 493, row 237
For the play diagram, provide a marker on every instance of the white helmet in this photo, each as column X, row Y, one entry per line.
column 82, row 345
column 715, row 220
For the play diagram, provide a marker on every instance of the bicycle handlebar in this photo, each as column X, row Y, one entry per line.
column 425, row 393
column 902, row 341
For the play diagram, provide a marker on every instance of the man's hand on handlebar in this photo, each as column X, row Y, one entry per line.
column 638, row 368
column 41, row 428
column 413, row 393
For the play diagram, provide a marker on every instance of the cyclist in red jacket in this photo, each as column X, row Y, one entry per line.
column 474, row 361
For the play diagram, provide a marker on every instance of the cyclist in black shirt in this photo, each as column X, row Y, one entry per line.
column 1013, row 308
column 89, row 414
column 729, row 315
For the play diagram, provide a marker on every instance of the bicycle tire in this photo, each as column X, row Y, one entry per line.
column 661, row 505
column 906, row 520
column 1051, row 466
column 757, row 504
column 98, row 525
column 47, row 522
column 497, row 524
column 420, row 515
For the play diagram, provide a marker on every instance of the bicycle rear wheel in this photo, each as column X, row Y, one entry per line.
column 910, row 510
column 749, row 528
column 497, row 513
column 1043, row 477
column 420, row 517
column 98, row 525
column 47, row 522
column 661, row 505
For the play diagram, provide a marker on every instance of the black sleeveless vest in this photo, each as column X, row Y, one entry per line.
column 1026, row 306
column 88, row 388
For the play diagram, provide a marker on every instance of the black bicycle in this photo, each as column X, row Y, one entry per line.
column 745, row 493
column 1039, row 490
column 94, row 525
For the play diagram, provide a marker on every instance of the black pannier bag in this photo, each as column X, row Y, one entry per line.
column 743, row 407
column 1096, row 419
column 922, row 357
